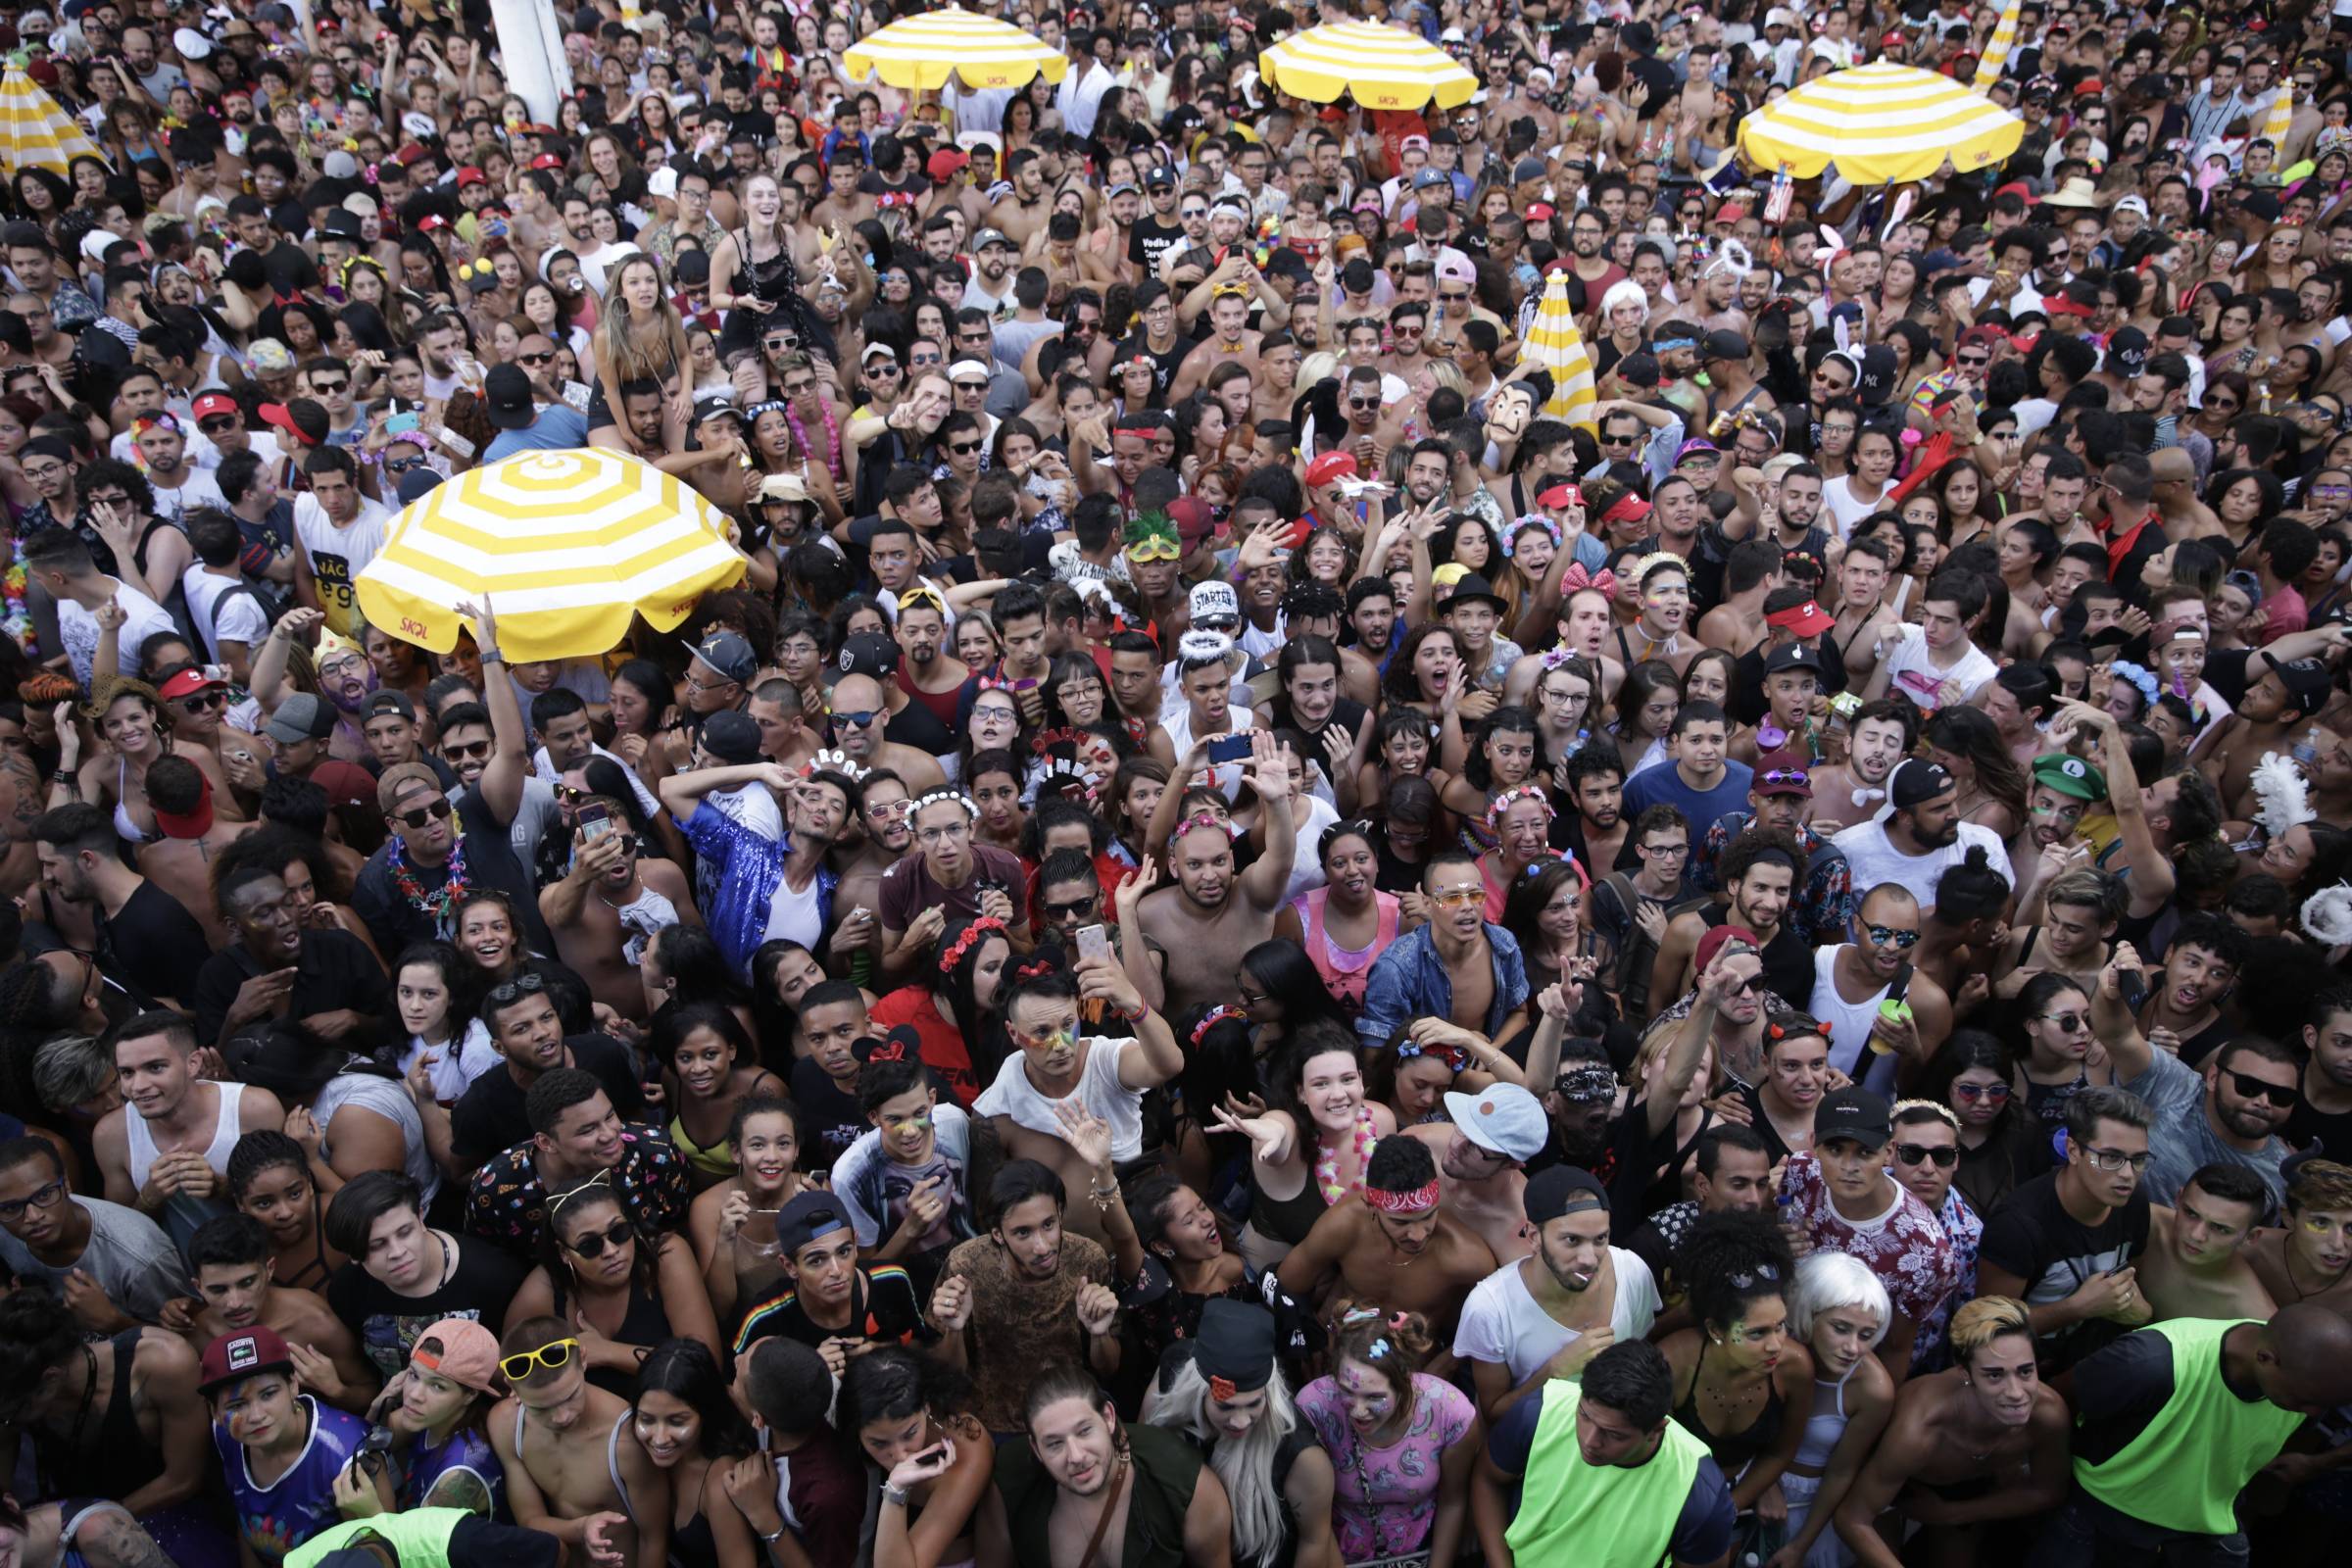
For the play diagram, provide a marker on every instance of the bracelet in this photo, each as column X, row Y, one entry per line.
column 770, row 1540
column 891, row 1493
column 491, row 656
column 1134, row 1014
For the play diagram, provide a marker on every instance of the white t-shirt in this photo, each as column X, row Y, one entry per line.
column 219, row 609
column 1873, row 858
column 391, row 1100
column 1911, row 672
column 125, row 448
column 200, row 490
column 338, row 556
column 1837, row 501
column 1098, row 1091
column 77, row 628
column 452, row 1072
column 1501, row 1322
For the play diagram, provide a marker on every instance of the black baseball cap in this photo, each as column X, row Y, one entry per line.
column 507, row 398
column 1853, row 1114
column 807, row 1217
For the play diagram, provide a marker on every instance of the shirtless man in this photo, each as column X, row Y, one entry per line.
column 1853, row 791
column 608, row 907
column 2311, row 1258
column 1482, row 1157
column 230, row 1263
column 865, row 744
column 1985, row 1441
column 885, row 817
column 1023, row 210
column 1229, row 338
column 2269, row 719
column 174, row 1165
column 1196, row 929
column 575, row 1468
column 1396, row 1247
column 2081, row 908
column 2195, row 1264
column 180, row 860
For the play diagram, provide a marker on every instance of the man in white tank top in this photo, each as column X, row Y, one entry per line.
column 1851, row 980
column 164, row 1151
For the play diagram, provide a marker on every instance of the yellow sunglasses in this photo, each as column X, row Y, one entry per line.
column 553, row 1357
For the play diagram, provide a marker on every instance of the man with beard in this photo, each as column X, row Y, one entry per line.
column 1877, row 738
column 861, row 715
column 928, row 673
column 1983, row 1442
column 614, row 899
column 147, row 940
column 1482, row 1154
column 2229, row 1111
column 2196, row 1263
column 1397, row 1246
column 2274, row 715
column 1006, row 1302
column 1589, row 260
column 51, row 467
column 1731, row 1173
column 1777, row 794
column 229, row 1261
column 324, row 979
column 177, row 485
column 1916, row 835
column 1759, row 871
column 1084, row 1478
column 1196, row 929
column 907, row 726
column 2064, row 787
column 1550, row 1313
column 1881, row 1015
column 993, row 252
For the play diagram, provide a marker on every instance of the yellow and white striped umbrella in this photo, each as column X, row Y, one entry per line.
column 34, row 132
column 922, row 51
column 2282, row 118
column 1997, row 47
column 1880, row 123
column 1381, row 68
column 1554, row 343
column 570, row 544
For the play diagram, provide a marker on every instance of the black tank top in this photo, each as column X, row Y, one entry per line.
column 121, row 1460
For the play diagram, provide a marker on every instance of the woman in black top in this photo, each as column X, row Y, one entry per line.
column 691, row 1430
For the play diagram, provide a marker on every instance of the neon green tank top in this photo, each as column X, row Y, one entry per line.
column 420, row 1536
column 1601, row 1516
column 2187, row 1467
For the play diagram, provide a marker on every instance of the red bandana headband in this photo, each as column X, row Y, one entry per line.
column 1420, row 1197
column 1222, row 1388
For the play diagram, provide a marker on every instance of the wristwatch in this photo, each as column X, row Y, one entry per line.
column 891, row 1493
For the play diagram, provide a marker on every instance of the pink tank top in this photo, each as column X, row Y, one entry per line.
column 1345, row 971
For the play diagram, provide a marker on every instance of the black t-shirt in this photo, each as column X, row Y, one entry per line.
column 834, row 1120
column 335, row 970
column 2332, row 1132
column 884, row 1310
column 489, row 1118
column 917, row 726
column 1151, row 239
column 155, row 946
column 1749, row 704
column 388, row 1326
column 1628, row 1161
column 2033, row 1236
column 1167, row 361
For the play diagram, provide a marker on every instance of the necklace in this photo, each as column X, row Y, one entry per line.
column 1327, row 1163
column 2287, row 1258
column 832, row 448
column 440, row 904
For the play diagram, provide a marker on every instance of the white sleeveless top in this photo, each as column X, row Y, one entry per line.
column 1849, row 1021
column 182, row 1214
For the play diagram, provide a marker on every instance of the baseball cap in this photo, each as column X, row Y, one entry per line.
column 1808, row 619
column 187, row 683
column 731, row 737
column 1527, row 169
column 1916, row 780
column 397, row 778
column 379, row 704
column 1234, row 1345
column 2307, row 682
column 1429, row 178
column 1853, row 1112
column 2070, row 775
column 1562, row 1190
column 303, row 420
column 507, row 398
column 988, row 237
column 869, row 653
column 213, row 403
column 1193, row 518
column 1160, row 176
column 460, row 1349
column 1329, row 467
column 301, row 718
column 1717, row 938
column 247, row 1352
column 1214, row 601
column 1783, row 772
column 1723, row 344
column 2133, row 204
column 805, row 1219
column 1794, row 655
column 730, row 654
column 875, row 351
column 1504, row 1120
column 946, row 164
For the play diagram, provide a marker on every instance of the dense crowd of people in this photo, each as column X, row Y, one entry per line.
column 1257, row 933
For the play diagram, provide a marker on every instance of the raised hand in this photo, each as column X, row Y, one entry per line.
column 952, row 1304
column 1085, row 1132
column 1097, row 1308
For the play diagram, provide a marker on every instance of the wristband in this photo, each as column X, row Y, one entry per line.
column 1136, row 1014
column 491, row 656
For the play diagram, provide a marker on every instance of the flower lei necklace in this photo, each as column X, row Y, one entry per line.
column 832, row 454
column 1327, row 1163
column 441, row 905
column 16, row 618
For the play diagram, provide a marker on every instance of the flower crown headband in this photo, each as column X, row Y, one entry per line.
column 1512, row 797
column 972, row 810
column 965, row 939
column 1220, row 1014
column 1534, row 520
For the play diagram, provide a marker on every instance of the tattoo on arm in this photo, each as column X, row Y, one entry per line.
column 459, row 1488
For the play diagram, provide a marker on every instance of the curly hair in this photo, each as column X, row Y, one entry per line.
column 1729, row 1260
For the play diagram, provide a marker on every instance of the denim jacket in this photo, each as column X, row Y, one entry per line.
column 1410, row 980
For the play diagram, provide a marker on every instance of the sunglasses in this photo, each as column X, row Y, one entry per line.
column 1458, row 898
column 470, row 752
column 593, row 1243
column 2249, row 1087
column 1975, row 361
column 329, row 388
column 514, row 990
column 2066, row 1024
column 220, row 424
column 964, row 449
column 1945, row 1155
column 203, row 702
column 536, row 359
column 422, row 814
column 1363, row 404
column 1616, row 440
column 402, row 465
column 1071, row 910
column 856, row 718
column 1881, row 935
column 553, row 1356
column 1995, row 1093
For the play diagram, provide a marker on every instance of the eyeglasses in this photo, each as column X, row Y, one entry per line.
column 945, row 832
column 2113, row 1158
column 2249, row 1087
column 2067, row 1023
column 1944, row 1156
column 553, row 1356
column 1664, row 852
column 1996, row 1094
column 422, row 814
column 470, row 752
column 593, row 1243
column 1881, row 935
column 41, row 1197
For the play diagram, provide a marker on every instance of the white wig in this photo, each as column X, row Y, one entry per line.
column 1827, row 1281
column 1625, row 291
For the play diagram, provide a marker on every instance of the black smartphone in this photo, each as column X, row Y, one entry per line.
column 1229, row 748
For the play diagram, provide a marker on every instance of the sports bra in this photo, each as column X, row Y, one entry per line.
column 1824, row 1426
column 1734, row 1451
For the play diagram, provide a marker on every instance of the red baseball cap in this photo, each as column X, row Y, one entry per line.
column 946, row 164
column 211, row 402
column 187, row 683
column 470, row 176
column 1808, row 619
column 1329, row 467
column 249, row 1352
column 1713, row 943
column 547, row 161
column 294, row 423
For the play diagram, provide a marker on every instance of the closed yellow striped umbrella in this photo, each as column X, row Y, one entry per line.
column 2282, row 118
column 34, row 132
column 922, row 52
column 1997, row 47
column 1554, row 343
column 1880, row 123
column 574, row 544
column 1381, row 68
